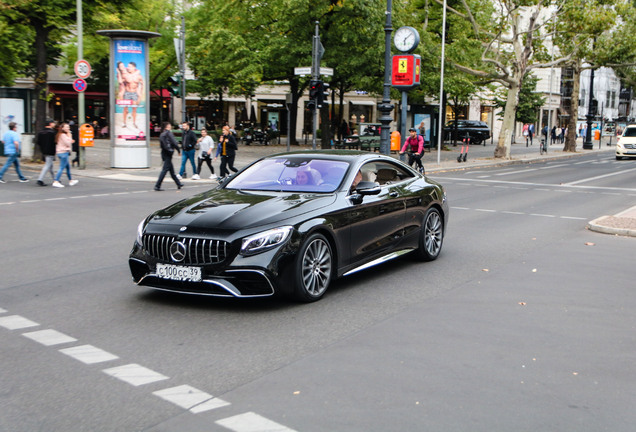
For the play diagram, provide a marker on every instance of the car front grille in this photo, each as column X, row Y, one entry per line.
column 630, row 146
column 198, row 251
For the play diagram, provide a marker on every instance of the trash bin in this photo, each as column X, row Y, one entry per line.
column 395, row 141
column 597, row 134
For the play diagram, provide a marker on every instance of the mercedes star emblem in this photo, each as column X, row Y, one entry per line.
column 177, row 251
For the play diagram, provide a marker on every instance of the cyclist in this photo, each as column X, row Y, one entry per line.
column 415, row 145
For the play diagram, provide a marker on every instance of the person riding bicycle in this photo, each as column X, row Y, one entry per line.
column 415, row 146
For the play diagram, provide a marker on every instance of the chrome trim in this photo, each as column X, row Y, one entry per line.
column 380, row 260
column 199, row 251
column 222, row 283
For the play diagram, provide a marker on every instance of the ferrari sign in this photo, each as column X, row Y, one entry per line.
column 406, row 71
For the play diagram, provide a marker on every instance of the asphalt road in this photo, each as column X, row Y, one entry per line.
column 525, row 322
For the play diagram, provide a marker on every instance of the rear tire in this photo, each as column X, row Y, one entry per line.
column 313, row 269
column 431, row 236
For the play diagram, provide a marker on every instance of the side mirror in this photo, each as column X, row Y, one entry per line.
column 368, row 188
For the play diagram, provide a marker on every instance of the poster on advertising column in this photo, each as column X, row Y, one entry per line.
column 130, row 81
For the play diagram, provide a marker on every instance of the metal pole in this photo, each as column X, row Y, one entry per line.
column 588, row 144
column 442, row 114
column 183, row 68
column 315, row 75
column 385, row 107
column 81, row 114
column 550, row 92
column 403, row 118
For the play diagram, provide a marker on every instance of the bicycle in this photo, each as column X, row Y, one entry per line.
column 543, row 147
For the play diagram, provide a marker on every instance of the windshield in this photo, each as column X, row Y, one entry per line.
column 293, row 174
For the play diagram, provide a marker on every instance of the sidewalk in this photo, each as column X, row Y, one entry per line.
column 98, row 165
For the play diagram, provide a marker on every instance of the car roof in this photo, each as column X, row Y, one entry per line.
column 343, row 155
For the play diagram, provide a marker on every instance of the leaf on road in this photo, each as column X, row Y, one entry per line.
column 297, row 392
column 522, row 303
column 534, row 270
column 590, row 244
column 485, row 270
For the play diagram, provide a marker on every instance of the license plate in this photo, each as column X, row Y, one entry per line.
column 179, row 273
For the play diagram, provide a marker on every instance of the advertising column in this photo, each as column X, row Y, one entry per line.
column 129, row 97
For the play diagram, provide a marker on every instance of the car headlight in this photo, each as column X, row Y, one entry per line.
column 266, row 240
column 140, row 232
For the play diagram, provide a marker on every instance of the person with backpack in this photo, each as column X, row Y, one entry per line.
column 415, row 146
column 188, row 144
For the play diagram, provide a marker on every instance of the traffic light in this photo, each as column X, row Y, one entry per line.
column 174, row 85
column 315, row 88
column 323, row 93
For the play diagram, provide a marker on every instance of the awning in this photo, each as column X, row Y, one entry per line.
column 363, row 102
column 164, row 93
column 73, row 93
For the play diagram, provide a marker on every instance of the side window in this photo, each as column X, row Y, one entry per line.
column 388, row 173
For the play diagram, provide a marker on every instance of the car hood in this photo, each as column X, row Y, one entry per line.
column 228, row 209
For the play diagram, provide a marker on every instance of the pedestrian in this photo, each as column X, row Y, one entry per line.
column 63, row 145
column 227, row 150
column 206, row 144
column 562, row 134
column 415, row 145
column 525, row 133
column 12, row 142
column 553, row 135
column 188, row 142
column 168, row 146
column 544, row 132
column 75, row 135
column 45, row 139
column 343, row 131
column 531, row 132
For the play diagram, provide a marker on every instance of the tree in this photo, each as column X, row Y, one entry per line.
column 239, row 45
column 595, row 33
column 529, row 100
column 512, row 45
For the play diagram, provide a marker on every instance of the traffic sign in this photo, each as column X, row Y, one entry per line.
column 79, row 85
column 302, row 70
column 82, row 69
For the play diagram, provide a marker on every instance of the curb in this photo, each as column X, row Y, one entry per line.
column 598, row 225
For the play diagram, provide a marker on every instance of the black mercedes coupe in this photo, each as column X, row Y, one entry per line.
column 289, row 224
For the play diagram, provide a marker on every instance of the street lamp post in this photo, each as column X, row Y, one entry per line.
column 588, row 144
column 385, row 107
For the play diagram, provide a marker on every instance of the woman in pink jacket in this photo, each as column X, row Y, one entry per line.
column 63, row 146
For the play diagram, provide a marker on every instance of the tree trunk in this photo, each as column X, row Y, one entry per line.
column 505, row 137
column 40, row 80
column 570, row 140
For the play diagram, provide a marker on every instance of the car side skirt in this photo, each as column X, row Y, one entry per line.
column 380, row 260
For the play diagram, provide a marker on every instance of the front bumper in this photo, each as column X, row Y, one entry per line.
column 230, row 283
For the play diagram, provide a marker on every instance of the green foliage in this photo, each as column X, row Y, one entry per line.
column 529, row 100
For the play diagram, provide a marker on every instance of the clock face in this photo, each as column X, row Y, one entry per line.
column 406, row 39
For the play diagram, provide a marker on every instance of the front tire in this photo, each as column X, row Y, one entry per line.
column 432, row 235
column 314, row 268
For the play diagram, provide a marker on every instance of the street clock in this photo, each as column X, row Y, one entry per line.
column 406, row 39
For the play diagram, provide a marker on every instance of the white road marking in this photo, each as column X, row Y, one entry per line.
column 15, row 322
column 88, row 354
column 135, row 374
column 599, row 177
column 2, row 310
column 475, row 182
column 49, row 337
column 252, row 422
column 190, row 398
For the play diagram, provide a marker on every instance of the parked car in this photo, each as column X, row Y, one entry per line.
column 290, row 224
column 478, row 131
column 626, row 143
